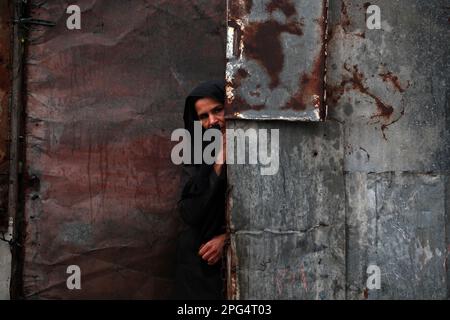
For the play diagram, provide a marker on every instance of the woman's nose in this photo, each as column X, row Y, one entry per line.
column 213, row 120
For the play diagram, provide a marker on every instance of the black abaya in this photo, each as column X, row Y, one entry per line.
column 202, row 209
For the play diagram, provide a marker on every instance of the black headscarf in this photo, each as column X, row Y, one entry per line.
column 214, row 89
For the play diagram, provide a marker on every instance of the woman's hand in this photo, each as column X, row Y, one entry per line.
column 211, row 251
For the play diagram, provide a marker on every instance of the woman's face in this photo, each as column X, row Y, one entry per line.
column 210, row 112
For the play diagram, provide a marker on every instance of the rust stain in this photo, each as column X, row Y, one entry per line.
column 334, row 94
column 242, row 73
column 238, row 10
column 388, row 76
column 232, row 282
column 330, row 34
column 357, row 79
column 298, row 100
column 261, row 42
column 237, row 103
column 386, row 125
column 345, row 22
column 303, row 277
column 310, row 85
column 237, row 37
column 366, row 293
column 286, row 6
column 258, row 37
column 231, row 261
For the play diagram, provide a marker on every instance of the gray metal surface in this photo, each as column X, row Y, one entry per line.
column 396, row 220
column 288, row 228
column 276, row 59
column 389, row 89
column 388, row 93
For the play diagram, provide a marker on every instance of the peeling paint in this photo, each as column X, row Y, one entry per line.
column 272, row 33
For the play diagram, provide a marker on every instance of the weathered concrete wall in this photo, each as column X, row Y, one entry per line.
column 380, row 182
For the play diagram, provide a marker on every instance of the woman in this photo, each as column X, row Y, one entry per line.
column 202, row 204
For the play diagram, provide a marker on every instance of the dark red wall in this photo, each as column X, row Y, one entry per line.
column 102, row 102
column 5, row 90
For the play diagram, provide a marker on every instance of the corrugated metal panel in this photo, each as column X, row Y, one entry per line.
column 102, row 102
column 276, row 59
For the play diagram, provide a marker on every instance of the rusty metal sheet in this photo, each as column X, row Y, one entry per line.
column 276, row 59
column 5, row 89
column 389, row 86
column 101, row 190
column 373, row 192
